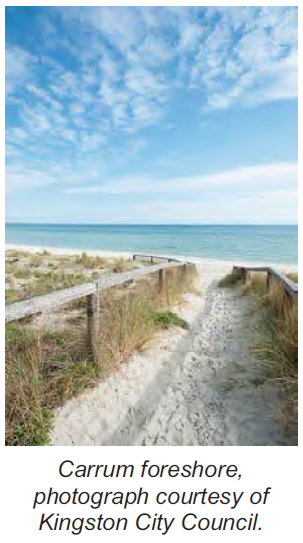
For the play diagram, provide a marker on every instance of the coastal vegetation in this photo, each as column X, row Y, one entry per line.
column 274, row 323
column 47, row 360
column 230, row 280
column 34, row 274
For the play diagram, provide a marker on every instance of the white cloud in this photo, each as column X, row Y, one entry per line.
column 153, row 51
column 24, row 175
column 260, row 208
column 270, row 177
column 120, row 25
column 281, row 81
column 191, row 34
column 258, row 67
column 44, row 96
column 18, row 68
column 110, row 68
column 236, row 56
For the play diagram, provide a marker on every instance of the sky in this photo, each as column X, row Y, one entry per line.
column 151, row 115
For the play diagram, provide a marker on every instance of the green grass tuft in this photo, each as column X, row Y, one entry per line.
column 230, row 280
column 167, row 318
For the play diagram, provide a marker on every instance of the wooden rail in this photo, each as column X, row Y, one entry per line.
column 291, row 288
column 91, row 290
column 154, row 258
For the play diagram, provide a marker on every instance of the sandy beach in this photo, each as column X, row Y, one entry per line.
column 208, row 263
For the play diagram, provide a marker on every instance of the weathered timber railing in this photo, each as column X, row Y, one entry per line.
column 291, row 288
column 91, row 290
column 153, row 258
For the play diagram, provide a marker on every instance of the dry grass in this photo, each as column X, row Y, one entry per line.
column 120, row 265
column 274, row 321
column 91, row 262
column 276, row 340
column 44, row 369
column 131, row 317
column 43, row 283
column 293, row 277
column 30, row 275
column 230, row 280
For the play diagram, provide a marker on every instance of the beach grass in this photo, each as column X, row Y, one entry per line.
column 276, row 344
column 167, row 318
column 121, row 265
column 46, row 365
column 229, row 281
column 91, row 262
column 43, row 369
column 274, row 320
column 34, row 274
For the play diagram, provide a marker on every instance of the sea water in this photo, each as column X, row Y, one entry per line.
column 258, row 243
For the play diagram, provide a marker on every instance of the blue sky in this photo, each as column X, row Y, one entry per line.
column 151, row 115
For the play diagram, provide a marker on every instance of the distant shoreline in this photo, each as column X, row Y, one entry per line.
column 208, row 262
column 255, row 225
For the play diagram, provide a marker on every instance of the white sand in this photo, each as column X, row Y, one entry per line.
column 208, row 263
column 188, row 388
column 66, row 251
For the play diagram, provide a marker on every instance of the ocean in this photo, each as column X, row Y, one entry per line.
column 270, row 243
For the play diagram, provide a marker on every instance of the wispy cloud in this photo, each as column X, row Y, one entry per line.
column 232, row 209
column 19, row 65
column 271, row 177
column 250, row 57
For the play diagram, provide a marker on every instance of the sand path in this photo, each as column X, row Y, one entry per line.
column 195, row 387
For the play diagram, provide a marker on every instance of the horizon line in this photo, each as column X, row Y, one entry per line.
column 143, row 224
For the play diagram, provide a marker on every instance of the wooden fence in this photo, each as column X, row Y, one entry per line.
column 290, row 287
column 91, row 290
column 153, row 258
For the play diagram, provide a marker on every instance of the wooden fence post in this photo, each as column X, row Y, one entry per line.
column 92, row 309
column 168, row 276
column 237, row 271
column 161, row 281
column 244, row 274
column 269, row 279
column 289, row 297
column 183, row 274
